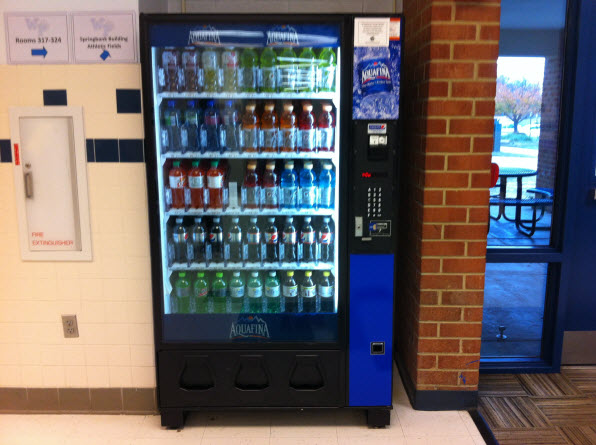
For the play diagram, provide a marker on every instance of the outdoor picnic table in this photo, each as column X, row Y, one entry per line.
column 528, row 226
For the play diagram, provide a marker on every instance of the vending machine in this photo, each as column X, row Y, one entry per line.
column 272, row 146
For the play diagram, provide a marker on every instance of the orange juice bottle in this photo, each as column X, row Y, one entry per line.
column 288, row 129
column 250, row 129
column 268, row 134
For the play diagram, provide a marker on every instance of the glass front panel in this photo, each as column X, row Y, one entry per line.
column 247, row 135
column 528, row 103
column 513, row 309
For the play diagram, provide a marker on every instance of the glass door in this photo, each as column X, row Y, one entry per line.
column 247, row 131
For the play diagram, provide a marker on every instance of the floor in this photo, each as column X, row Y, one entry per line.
column 549, row 409
column 329, row 427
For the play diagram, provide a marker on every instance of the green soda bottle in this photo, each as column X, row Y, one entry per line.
column 268, row 78
column 201, row 293
column 237, row 293
column 306, row 74
column 273, row 294
column 255, row 293
column 286, row 71
column 326, row 72
column 218, row 293
column 249, row 61
column 182, row 291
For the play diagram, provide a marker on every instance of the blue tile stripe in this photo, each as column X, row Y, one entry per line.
column 110, row 150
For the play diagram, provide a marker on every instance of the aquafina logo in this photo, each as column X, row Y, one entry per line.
column 375, row 76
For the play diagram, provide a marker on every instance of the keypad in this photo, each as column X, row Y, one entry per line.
column 374, row 202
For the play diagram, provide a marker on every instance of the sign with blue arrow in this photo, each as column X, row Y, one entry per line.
column 37, row 38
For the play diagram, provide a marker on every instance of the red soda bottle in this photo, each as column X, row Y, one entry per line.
column 251, row 190
column 326, row 129
column 178, row 182
column 196, row 184
column 307, row 130
column 215, row 184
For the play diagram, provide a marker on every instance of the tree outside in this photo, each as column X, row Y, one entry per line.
column 518, row 100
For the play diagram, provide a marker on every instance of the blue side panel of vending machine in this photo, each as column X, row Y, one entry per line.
column 371, row 324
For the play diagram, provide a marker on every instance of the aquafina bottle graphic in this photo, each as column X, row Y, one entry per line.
column 375, row 76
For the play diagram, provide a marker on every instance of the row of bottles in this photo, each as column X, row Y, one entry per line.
column 251, row 241
column 268, row 131
column 203, row 187
column 254, row 292
column 230, row 70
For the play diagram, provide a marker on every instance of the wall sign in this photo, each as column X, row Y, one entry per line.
column 40, row 38
column 104, row 37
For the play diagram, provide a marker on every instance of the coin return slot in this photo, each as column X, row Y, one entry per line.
column 377, row 348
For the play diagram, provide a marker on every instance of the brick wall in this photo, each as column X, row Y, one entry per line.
column 450, row 54
column 549, row 122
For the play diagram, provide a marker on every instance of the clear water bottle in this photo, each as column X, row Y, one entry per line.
column 199, row 239
column 229, row 128
column 170, row 132
column 235, row 241
column 189, row 132
column 210, row 128
column 289, row 187
column 308, row 188
column 327, row 187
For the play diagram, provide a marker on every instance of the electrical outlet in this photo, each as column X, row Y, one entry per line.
column 70, row 326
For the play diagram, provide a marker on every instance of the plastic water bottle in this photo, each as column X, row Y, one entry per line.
column 286, row 71
column 235, row 241
column 268, row 74
column 216, row 241
column 229, row 128
column 308, row 241
column 183, row 291
column 273, row 293
column 270, row 198
column 251, row 190
column 327, row 187
column 237, row 293
column 326, row 241
column 210, row 129
column 179, row 242
column 255, row 293
column 199, row 240
column 201, row 293
column 219, row 294
column 308, row 188
column 289, row 187
column 308, row 293
column 306, row 77
column 326, row 71
column 289, row 241
column 253, row 241
column 289, row 292
column 170, row 139
column 249, row 62
column 326, row 292
column 211, row 73
column 189, row 133
column 229, row 63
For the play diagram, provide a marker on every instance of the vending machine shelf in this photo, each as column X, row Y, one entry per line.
column 272, row 96
column 250, row 212
column 251, row 266
column 246, row 155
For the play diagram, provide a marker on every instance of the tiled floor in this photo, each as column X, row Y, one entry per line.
column 329, row 427
column 541, row 409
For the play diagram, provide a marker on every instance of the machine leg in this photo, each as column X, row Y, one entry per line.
column 172, row 418
column 378, row 417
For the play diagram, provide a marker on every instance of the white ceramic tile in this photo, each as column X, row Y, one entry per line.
column 140, row 311
column 440, row 440
column 469, row 424
column 93, row 312
column 51, row 355
column 10, row 375
column 106, row 427
column 143, row 376
column 119, row 355
column 415, row 423
column 53, row 376
column 378, row 440
column 10, row 355
column 237, row 425
column 120, row 377
column 151, row 430
column 68, row 288
column 73, row 355
column 127, row 126
column 352, row 424
column 116, row 312
column 98, row 376
column 141, row 334
column 142, row 355
column 96, row 355
column 76, row 376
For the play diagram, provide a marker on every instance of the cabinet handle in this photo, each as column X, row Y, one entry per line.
column 29, row 185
